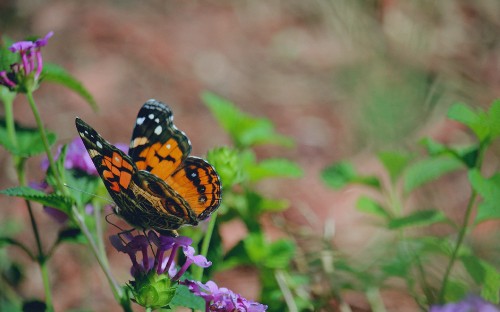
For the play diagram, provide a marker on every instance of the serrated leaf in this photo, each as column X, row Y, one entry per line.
column 428, row 170
column 50, row 200
column 29, row 141
column 273, row 168
column 489, row 189
column 56, row 74
column 418, row 218
column 184, row 298
column 476, row 121
column 368, row 205
column 245, row 130
column 394, row 163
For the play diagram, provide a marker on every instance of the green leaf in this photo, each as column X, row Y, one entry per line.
column 394, row 163
column 476, row 121
column 256, row 247
column 340, row 174
column 50, row 200
column 418, row 218
column 368, row 205
column 428, row 170
column 29, row 141
column 280, row 253
column 489, row 189
column 57, row 74
column 491, row 287
column 7, row 57
column 474, row 268
column 245, row 130
column 227, row 162
column 184, row 298
column 494, row 119
column 77, row 181
column 273, row 168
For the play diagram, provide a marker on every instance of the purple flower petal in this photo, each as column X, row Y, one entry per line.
column 199, row 260
column 43, row 41
column 21, row 46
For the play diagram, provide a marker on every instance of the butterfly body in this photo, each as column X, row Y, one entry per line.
column 157, row 185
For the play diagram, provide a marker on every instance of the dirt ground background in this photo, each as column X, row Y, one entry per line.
column 345, row 79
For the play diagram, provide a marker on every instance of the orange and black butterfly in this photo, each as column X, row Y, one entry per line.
column 157, row 185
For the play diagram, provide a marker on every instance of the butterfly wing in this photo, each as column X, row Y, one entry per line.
column 157, row 145
column 143, row 199
column 114, row 166
column 199, row 184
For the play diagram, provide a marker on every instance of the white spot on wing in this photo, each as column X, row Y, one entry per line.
column 140, row 120
column 99, row 145
column 168, row 146
column 158, row 130
column 151, row 116
column 157, row 120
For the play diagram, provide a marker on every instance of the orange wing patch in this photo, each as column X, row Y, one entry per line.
column 198, row 183
column 161, row 159
column 118, row 172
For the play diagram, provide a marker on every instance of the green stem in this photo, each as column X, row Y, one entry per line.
column 376, row 303
column 45, row 141
column 21, row 175
column 115, row 288
column 461, row 236
column 279, row 275
column 198, row 271
column 9, row 122
column 46, row 284
column 463, row 230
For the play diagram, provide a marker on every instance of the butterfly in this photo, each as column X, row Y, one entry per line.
column 157, row 185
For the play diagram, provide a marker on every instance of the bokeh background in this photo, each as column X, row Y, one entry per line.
column 345, row 79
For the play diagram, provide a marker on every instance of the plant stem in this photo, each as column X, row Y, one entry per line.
column 115, row 288
column 198, row 271
column 373, row 296
column 279, row 275
column 46, row 284
column 461, row 236
column 9, row 122
column 45, row 141
column 463, row 229
column 21, row 176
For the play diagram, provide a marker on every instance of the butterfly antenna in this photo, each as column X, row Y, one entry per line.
column 88, row 193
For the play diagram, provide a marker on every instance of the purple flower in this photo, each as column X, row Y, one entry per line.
column 469, row 304
column 31, row 61
column 78, row 158
column 222, row 299
column 163, row 244
column 7, row 79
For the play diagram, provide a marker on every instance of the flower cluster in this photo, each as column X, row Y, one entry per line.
column 156, row 278
column 469, row 304
column 30, row 67
column 222, row 299
column 164, row 243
